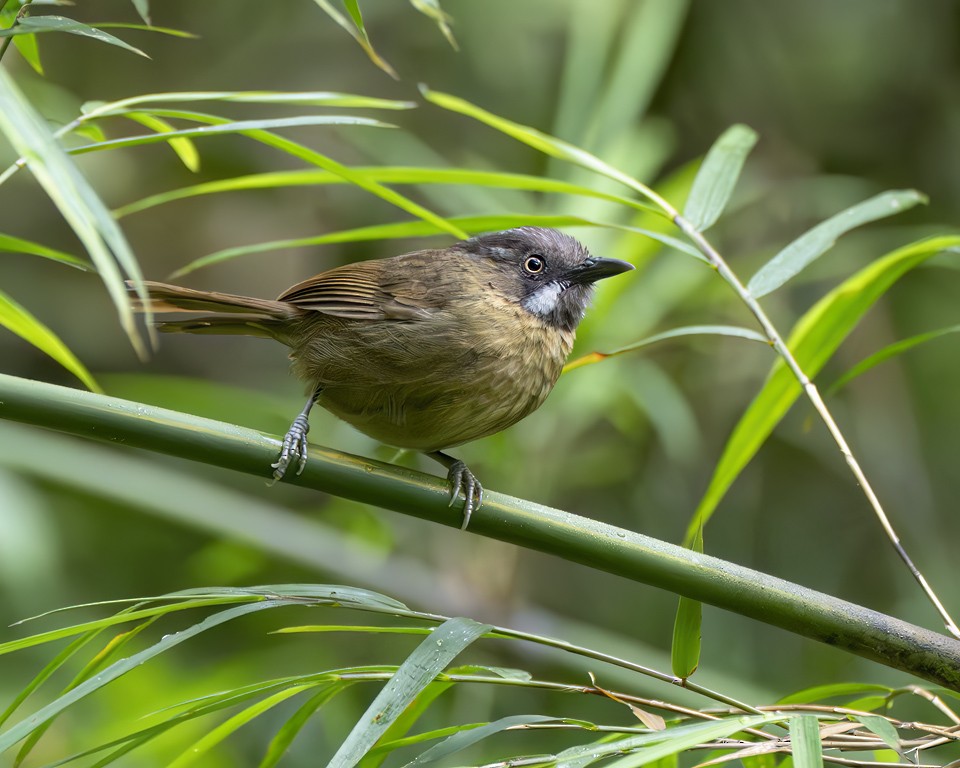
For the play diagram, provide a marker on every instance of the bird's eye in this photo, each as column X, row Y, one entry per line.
column 534, row 264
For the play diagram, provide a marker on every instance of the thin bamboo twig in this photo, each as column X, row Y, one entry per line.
column 813, row 394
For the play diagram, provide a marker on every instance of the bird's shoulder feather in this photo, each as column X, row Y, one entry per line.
column 399, row 288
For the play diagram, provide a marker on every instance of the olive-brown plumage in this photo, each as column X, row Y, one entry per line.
column 426, row 350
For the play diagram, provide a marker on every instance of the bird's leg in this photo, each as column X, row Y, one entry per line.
column 295, row 441
column 461, row 478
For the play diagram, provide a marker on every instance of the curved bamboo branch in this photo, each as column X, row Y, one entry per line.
column 895, row 643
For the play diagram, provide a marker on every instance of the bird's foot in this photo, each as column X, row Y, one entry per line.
column 461, row 478
column 294, row 448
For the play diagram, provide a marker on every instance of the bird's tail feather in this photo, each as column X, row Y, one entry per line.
column 242, row 315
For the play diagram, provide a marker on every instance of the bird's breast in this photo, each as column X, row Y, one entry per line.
column 462, row 374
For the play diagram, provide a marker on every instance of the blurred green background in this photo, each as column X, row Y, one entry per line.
column 849, row 99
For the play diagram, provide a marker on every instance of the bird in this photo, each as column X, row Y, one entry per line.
column 426, row 350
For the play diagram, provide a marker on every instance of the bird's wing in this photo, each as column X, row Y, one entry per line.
column 387, row 289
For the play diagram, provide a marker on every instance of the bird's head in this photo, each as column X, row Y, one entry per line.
column 546, row 272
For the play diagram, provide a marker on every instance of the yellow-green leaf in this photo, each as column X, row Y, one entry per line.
column 21, row 322
column 814, row 339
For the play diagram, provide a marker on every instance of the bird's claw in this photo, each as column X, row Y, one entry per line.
column 294, row 448
column 462, row 479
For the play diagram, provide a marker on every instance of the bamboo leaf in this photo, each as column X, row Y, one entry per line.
column 718, row 176
column 545, row 143
column 815, row 337
column 19, row 245
column 882, row 728
column 468, row 224
column 147, row 28
column 419, row 669
column 647, row 747
column 234, row 126
column 821, row 692
column 120, row 668
column 431, row 8
column 383, row 175
column 805, row 742
column 76, row 200
column 888, row 352
column 357, row 31
column 284, row 737
column 143, row 9
column 689, row 330
column 30, row 50
column 17, row 319
column 183, row 147
column 39, row 24
column 213, row 737
column 813, row 244
column 467, row 738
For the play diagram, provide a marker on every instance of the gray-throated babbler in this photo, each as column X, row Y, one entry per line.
column 426, row 350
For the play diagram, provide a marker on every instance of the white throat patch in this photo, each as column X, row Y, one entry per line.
column 543, row 301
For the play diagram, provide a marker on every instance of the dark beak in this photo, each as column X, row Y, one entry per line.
column 595, row 268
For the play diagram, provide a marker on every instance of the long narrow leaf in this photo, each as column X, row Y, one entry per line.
column 357, row 31
column 182, row 146
column 293, row 98
column 813, row 244
column 78, row 203
column 315, row 158
column 30, row 25
column 284, row 738
column 234, row 126
column 463, row 739
column 19, row 245
column 468, row 224
column 814, row 339
column 219, row 733
column 18, row 320
column 383, row 175
column 545, row 143
column 897, row 348
column 648, row 747
column 432, row 9
column 419, row 669
column 718, row 176
column 120, row 668
column 689, row 330
column 805, row 741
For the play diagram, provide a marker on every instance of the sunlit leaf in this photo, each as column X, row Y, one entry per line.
column 718, row 176
column 183, row 147
column 687, row 628
column 288, row 732
column 217, row 734
column 821, row 692
column 22, row 729
column 419, row 669
column 383, row 175
column 17, row 319
column 813, row 244
column 19, row 245
column 814, row 339
column 30, row 50
column 432, row 9
column 38, row 24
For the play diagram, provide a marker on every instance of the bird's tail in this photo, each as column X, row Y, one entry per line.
column 241, row 315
